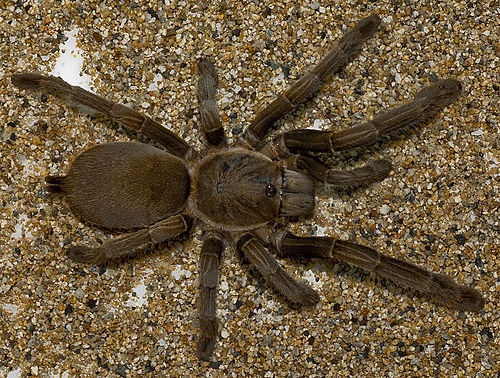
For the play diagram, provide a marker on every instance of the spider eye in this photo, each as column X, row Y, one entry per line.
column 270, row 190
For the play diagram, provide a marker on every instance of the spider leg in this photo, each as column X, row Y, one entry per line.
column 441, row 288
column 128, row 244
column 297, row 293
column 209, row 113
column 129, row 118
column 209, row 266
column 374, row 171
column 335, row 59
column 426, row 104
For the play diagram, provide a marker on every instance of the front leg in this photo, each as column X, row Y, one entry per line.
column 209, row 266
column 427, row 103
column 335, row 58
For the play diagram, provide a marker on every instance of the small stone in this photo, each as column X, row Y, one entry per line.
column 97, row 36
column 31, row 327
column 384, row 209
column 460, row 238
column 40, row 290
column 79, row 293
column 215, row 364
column 478, row 262
column 68, row 310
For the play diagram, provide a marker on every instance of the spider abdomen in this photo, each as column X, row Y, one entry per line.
column 126, row 185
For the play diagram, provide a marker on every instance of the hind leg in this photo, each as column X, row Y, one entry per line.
column 442, row 289
column 124, row 115
column 129, row 243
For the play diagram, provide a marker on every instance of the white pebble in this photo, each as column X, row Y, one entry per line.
column 384, row 209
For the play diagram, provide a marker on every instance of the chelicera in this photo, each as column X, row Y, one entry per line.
column 242, row 195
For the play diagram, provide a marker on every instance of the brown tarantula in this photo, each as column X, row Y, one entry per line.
column 241, row 195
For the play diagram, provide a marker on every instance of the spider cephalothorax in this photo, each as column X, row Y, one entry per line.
column 241, row 195
column 240, row 190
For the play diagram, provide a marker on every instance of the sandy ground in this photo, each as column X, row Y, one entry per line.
column 438, row 209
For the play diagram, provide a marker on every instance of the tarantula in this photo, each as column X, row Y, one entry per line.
column 241, row 195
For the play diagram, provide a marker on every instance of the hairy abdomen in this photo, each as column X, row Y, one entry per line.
column 124, row 185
